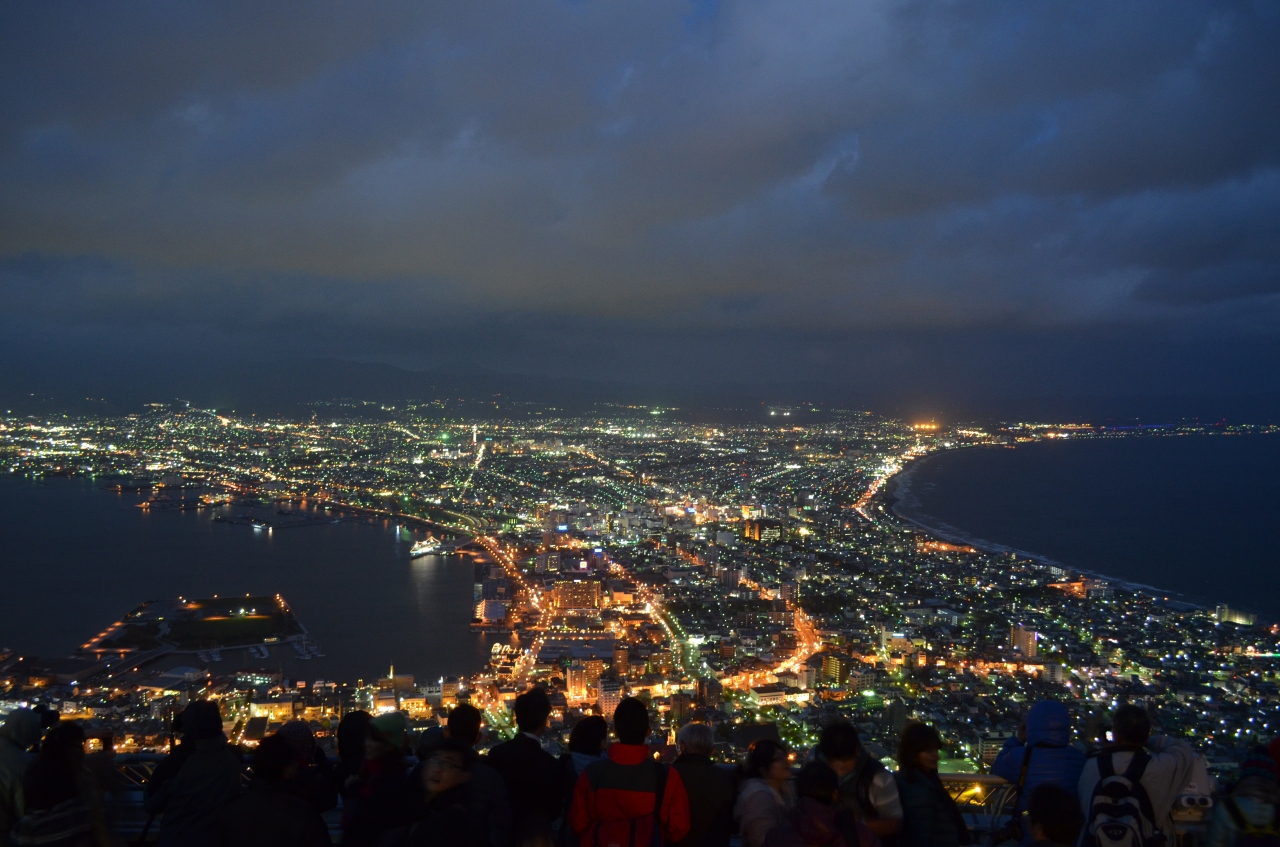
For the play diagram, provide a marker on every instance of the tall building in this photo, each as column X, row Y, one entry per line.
column 576, row 682
column 897, row 715
column 449, row 689
column 1023, row 641
column 621, row 657
column 682, row 705
column 660, row 662
column 1226, row 614
column 577, row 594
column 762, row 530
column 990, row 745
column 835, row 668
column 808, row 677
column 611, row 694
column 730, row 577
column 710, row 693
column 860, row 679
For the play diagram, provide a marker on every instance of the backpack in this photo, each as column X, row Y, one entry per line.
column 606, row 775
column 1120, row 813
column 865, row 772
column 1247, row 835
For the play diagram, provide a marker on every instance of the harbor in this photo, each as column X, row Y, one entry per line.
column 349, row 574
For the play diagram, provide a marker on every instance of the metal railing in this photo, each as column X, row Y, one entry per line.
column 985, row 801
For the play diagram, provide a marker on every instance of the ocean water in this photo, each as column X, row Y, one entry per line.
column 1196, row 515
column 74, row 558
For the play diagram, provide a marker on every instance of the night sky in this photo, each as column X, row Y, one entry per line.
column 987, row 200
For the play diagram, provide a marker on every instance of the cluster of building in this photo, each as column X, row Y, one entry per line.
column 753, row 577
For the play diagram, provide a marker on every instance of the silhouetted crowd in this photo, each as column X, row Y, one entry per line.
column 400, row 791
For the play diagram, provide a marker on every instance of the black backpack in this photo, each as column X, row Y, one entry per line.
column 1120, row 813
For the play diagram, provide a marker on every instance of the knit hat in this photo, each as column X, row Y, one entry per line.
column 390, row 727
column 1260, row 765
column 299, row 737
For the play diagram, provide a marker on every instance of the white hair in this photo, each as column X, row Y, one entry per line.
column 696, row 738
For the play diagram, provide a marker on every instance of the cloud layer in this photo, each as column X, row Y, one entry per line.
column 675, row 170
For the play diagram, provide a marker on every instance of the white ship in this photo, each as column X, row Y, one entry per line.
column 425, row 547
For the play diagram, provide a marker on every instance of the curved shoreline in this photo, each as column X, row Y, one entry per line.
column 310, row 572
column 898, row 495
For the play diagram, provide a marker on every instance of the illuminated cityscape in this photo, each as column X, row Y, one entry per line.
column 692, row 424
column 750, row 576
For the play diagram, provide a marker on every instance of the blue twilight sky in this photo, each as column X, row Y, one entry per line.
column 983, row 197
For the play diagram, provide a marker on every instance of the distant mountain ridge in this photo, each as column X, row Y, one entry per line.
column 292, row 387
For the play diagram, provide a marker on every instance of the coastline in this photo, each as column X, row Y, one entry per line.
column 898, row 499
column 363, row 598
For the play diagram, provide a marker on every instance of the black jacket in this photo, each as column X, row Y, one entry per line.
column 711, row 795
column 486, row 798
column 450, row 819
column 270, row 815
column 190, row 788
column 381, row 802
column 533, row 780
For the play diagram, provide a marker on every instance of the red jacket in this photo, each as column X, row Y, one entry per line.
column 614, row 797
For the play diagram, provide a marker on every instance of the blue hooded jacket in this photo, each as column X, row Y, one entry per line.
column 1053, row 759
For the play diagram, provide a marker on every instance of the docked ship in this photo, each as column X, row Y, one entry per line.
column 425, row 547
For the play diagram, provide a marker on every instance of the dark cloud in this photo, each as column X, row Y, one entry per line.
column 755, row 179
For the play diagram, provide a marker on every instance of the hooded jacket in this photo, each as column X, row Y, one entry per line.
column 1053, row 760
column 21, row 729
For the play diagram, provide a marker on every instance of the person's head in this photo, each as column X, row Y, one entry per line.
column 22, row 728
column 589, row 735
column 768, row 760
column 532, row 709
column 53, row 777
column 818, row 781
column 1053, row 814
column 353, row 729
column 1259, row 778
column 1048, row 722
column 631, row 721
column 386, row 735
column 918, row 748
column 200, row 720
column 64, row 743
column 840, row 746
column 464, row 724
column 275, row 759
column 696, row 739
column 1131, row 725
column 448, row 765
column 301, row 740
